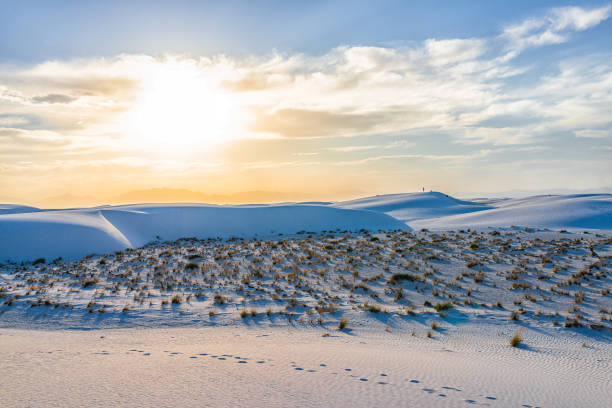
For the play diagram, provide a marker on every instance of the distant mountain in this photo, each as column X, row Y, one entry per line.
column 174, row 195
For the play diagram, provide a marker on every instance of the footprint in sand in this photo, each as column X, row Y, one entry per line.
column 347, row 369
column 203, row 354
column 242, row 362
column 451, row 388
column 382, row 383
column 415, row 381
column 429, row 390
column 491, row 398
column 193, row 357
column 441, row 395
column 323, row 365
column 260, row 362
column 146, row 354
column 363, row 379
column 298, row 369
column 469, row 401
column 221, row 358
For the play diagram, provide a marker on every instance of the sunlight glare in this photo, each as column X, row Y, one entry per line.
column 179, row 110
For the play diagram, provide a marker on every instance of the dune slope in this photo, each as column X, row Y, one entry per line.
column 580, row 211
column 75, row 233
column 414, row 206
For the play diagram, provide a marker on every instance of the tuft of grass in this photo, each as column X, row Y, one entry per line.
column 435, row 326
column 398, row 277
column 514, row 315
column 443, row 306
column 516, row 340
column 177, row 300
column 244, row 313
column 429, row 335
column 343, row 323
column 212, row 312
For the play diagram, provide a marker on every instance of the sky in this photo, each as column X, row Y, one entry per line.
column 307, row 100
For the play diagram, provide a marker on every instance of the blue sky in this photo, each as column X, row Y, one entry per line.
column 40, row 30
column 322, row 99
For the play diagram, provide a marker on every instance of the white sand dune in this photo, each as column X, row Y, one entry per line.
column 16, row 209
column 78, row 232
column 414, row 206
column 581, row 211
column 27, row 233
column 439, row 211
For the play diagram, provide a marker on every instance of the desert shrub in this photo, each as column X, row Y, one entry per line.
column 343, row 323
column 398, row 277
column 89, row 282
column 177, row 300
column 372, row 308
column 443, row 306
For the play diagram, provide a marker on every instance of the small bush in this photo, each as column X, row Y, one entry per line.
column 398, row 277
column 177, row 300
column 343, row 323
column 514, row 315
column 443, row 306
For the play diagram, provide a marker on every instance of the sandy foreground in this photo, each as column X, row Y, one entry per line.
column 274, row 367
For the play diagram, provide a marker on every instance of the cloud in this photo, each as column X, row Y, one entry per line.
column 593, row 133
column 552, row 28
column 306, row 123
column 53, row 98
column 468, row 95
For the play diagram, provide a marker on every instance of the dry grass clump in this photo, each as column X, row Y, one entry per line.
column 343, row 323
column 439, row 307
column 398, row 277
column 516, row 340
column 177, row 300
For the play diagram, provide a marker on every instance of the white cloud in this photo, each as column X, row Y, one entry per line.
column 553, row 28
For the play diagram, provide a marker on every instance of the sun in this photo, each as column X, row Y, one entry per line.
column 179, row 109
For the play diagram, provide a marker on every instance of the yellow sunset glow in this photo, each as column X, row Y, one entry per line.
column 178, row 110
